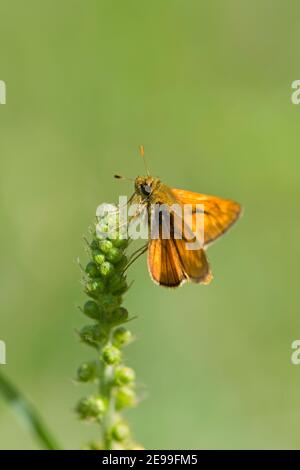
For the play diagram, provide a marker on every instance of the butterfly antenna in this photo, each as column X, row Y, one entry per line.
column 142, row 154
column 119, row 177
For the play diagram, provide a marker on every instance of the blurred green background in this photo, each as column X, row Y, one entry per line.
column 206, row 87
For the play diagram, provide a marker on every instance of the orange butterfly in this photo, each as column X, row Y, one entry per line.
column 170, row 263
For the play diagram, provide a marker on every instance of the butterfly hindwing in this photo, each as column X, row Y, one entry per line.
column 163, row 263
column 171, row 263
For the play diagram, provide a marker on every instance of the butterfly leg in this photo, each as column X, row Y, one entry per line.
column 136, row 255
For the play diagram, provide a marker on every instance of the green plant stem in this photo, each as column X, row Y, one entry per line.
column 29, row 414
column 109, row 415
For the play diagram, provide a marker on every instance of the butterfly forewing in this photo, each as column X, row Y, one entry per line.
column 219, row 214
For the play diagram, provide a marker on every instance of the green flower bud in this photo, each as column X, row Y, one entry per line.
column 120, row 431
column 121, row 336
column 106, row 269
column 94, row 245
column 117, row 284
column 92, row 269
column 124, row 375
column 105, row 246
column 111, row 355
column 98, row 257
column 109, row 302
column 92, row 407
column 120, row 315
column 114, row 255
column 120, row 242
column 93, row 335
column 94, row 288
column 125, row 397
column 117, row 316
column 123, row 287
column 92, row 310
column 87, row 372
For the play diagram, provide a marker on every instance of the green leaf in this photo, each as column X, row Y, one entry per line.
column 28, row 413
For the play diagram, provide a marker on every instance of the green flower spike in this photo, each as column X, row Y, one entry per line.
column 105, row 283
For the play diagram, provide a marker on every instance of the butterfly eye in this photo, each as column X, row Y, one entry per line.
column 146, row 189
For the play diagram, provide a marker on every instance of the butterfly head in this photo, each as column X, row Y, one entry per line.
column 146, row 185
